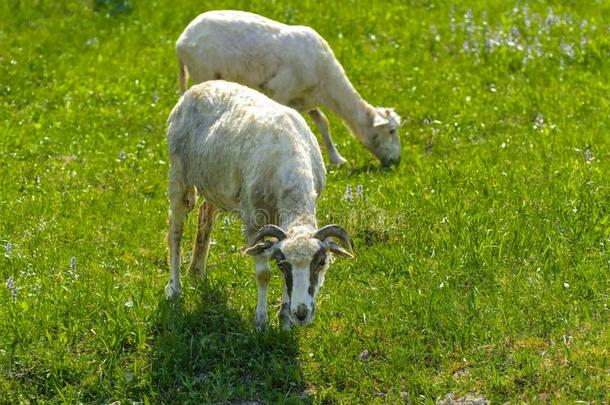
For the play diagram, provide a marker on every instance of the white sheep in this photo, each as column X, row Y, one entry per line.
column 244, row 152
column 293, row 65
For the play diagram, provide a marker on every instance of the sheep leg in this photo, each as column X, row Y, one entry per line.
column 322, row 123
column 263, row 273
column 202, row 242
column 178, row 200
column 284, row 314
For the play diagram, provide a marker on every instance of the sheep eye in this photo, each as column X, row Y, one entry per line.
column 322, row 262
column 392, row 131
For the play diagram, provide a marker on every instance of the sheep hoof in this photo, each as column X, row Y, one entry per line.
column 285, row 320
column 286, row 325
column 172, row 291
column 261, row 320
column 196, row 272
column 338, row 160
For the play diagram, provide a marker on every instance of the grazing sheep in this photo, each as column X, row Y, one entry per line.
column 291, row 64
column 244, row 152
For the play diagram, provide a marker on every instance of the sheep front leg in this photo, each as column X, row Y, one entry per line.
column 321, row 122
column 284, row 314
column 179, row 207
column 202, row 242
column 263, row 273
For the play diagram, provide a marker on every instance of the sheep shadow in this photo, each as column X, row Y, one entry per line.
column 209, row 354
column 368, row 168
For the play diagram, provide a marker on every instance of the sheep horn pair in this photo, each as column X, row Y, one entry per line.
column 327, row 231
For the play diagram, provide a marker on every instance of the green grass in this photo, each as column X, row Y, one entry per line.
column 482, row 262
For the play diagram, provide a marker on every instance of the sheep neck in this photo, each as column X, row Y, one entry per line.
column 297, row 207
column 343, row 99
column 302, row 216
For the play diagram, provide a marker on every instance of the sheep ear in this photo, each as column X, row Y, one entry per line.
column 338, row 250
column 380, row 121
column 258, row 248
column 391, row 113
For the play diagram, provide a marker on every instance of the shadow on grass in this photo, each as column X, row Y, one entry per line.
column 369, row 168
column 208, row 354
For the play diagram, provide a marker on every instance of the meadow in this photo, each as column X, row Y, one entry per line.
column 482, row 261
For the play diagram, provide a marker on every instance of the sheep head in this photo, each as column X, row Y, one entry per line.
column 303, row 259
column 382, row 137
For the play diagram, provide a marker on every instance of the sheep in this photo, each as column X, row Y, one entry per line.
column 294, row 66
column 244, row 152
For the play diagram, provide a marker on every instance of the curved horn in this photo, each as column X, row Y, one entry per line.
column 273, row 231
column 334, row 231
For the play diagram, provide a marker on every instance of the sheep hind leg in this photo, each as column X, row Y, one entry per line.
column 202, row 242
column 178, row 196
column 322, row 123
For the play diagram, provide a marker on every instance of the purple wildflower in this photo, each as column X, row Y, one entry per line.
column 364, row 355
column 538, row 47
column 475, row 48
column 527, row 56
column 360, row 191
column 10, row 284
column 510, row 41
column 588, row 155
column 526, row 17
column 549, row 20
column 466, row 46
column 568, row 49
column 348, row 193
column 9, row 248
column 468, row 21
column 91, row 42
column 488, row 45
column 583, row 24
column 72, row 270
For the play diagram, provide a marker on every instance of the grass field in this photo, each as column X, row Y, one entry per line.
column 482, row 262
